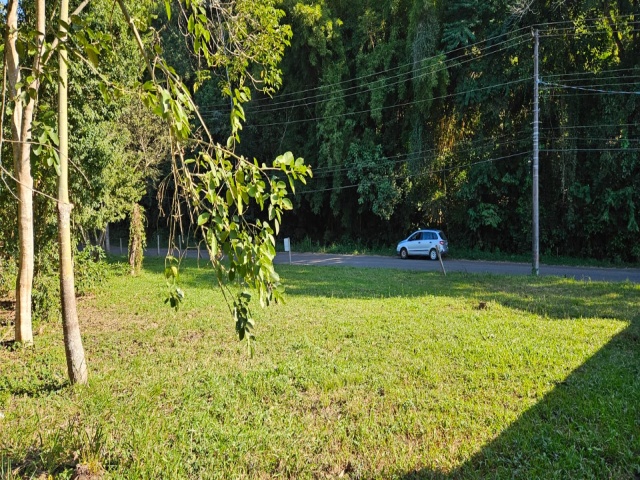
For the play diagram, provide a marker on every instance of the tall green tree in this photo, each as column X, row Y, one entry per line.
column 23, row 89
column 246, row 40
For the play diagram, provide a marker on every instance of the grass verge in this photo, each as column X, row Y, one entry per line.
column 361, row 374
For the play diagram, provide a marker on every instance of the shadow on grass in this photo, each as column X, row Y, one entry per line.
column 33, row 465
column 8, row 305
column 38, row 389
column 552, row 297
column 587, row 427
column 62, row 457
column 52, row 462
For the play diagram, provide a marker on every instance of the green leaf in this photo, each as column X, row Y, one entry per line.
column 203, row 218
column 171, row 272
column 92, row 54
column 53, row 136
column 56, row 164
column 190, row 24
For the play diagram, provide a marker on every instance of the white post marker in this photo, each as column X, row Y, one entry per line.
column 287, row 247
column 440, row 258
column 120, row 246
column 158, row 244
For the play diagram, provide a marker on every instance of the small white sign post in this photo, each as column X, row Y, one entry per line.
column 287, row 247
column 440, row 258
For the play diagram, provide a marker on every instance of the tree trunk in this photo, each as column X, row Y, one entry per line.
column 21, row 123
column 107, row 239
column 137, row 239
column 76, row 364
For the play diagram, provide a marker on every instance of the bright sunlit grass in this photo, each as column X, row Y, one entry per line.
column 361, row 374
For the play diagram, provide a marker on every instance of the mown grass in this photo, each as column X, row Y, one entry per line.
column 361, row 374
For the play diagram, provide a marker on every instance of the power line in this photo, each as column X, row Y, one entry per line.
column 410, row 64
column 380, row 82
column 604, row 87
column 456, row 50
column 572, row 127
column 603, row 82
column 324, row 172
column 416, row 102
column 605, row 149
column 429, row 172
column 588, row 89
column 577, row 74
column 572, row 22
column 577, row 34
column 282, row 103
column 590, row 139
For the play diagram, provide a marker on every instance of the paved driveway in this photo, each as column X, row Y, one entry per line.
column 470, row 266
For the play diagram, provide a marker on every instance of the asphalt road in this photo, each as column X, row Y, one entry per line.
column 450, row 265
column 469, row 266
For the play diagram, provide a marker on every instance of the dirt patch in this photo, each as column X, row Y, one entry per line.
column 85, row 472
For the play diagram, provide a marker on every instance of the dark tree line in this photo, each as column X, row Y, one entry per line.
column 420, row 114
column 412, row 114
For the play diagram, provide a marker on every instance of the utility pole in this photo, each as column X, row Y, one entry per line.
column 536, row 153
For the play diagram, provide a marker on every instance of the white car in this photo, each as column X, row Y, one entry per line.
column 424, row 243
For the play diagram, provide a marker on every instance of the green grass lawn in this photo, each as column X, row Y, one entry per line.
column 361, row 374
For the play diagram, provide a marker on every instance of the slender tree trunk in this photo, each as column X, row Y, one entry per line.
column 76, row 364
column 21, row 123
column 136, row 239
column 107, row 239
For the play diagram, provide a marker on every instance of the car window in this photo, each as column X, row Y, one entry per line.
column 415, row 236
column 442, row 235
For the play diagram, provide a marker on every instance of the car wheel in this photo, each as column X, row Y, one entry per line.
column 433, row 255
column 404, row 254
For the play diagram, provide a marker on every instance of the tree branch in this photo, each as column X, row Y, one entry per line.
column 134, row 30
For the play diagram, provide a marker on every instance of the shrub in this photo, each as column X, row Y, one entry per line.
column 8, row 274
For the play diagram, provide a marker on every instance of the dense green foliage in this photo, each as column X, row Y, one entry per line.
column 120, row 62
column 411, row 113
column 114, row 148
column 399, row 375
column 420, row 114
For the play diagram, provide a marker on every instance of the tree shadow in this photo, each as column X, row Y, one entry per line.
column 551, row 297
column 38, row 389
column 7, row 305
column 588, row 426
column 54, row 461
column 7, row 308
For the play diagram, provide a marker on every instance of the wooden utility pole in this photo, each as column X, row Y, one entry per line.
column 536, row 136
